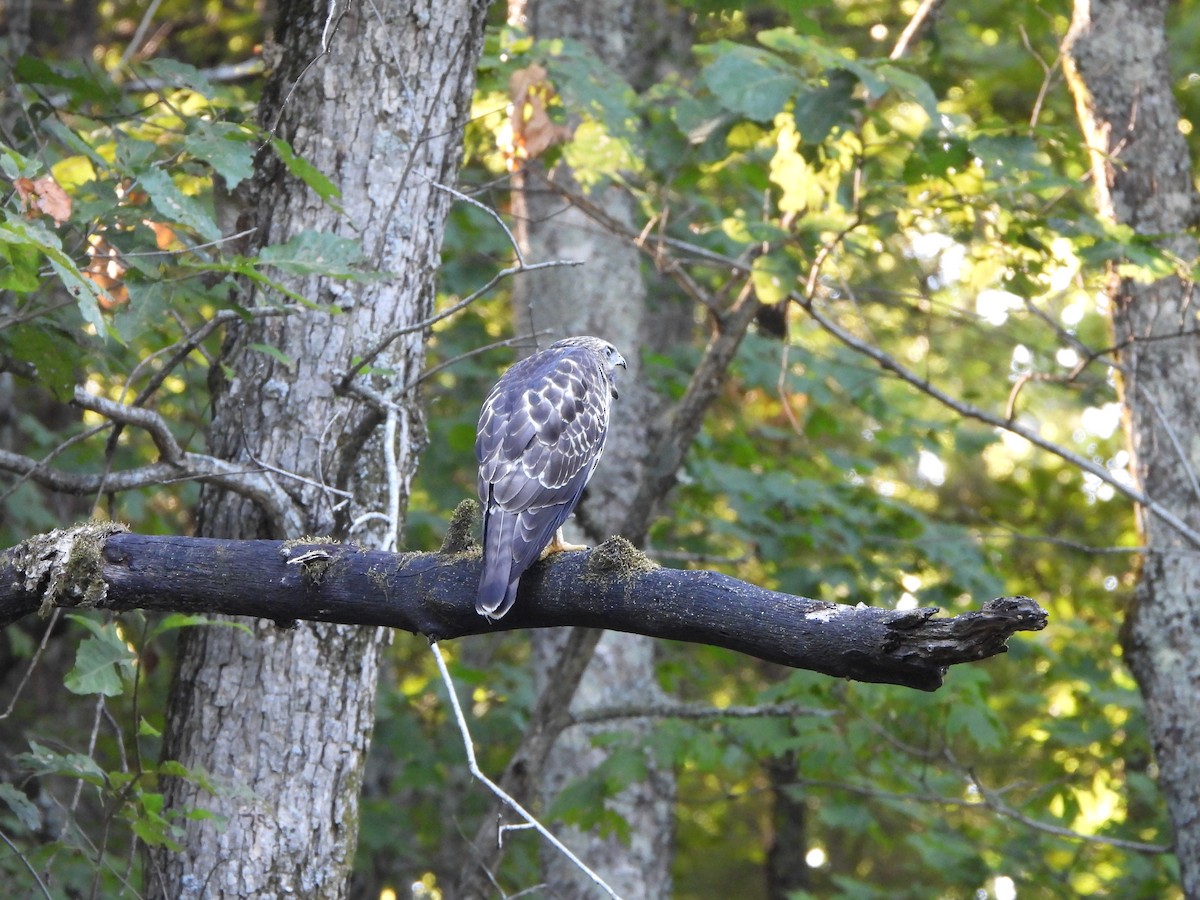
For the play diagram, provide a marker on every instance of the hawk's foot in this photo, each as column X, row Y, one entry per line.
column 558, row 545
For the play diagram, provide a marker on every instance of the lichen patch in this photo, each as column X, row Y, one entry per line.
column 617, row 558
column 66, row 565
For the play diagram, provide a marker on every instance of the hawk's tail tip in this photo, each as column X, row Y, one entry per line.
column 495, row 599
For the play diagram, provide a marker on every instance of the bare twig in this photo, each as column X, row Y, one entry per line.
column 39, row 465
column 146, row 419
column 25, row 862
column 993, row 802
column 1048, row 70
column 466, row 198
column 694, row 711
column 916, row 25
column 33, row 661
column 136, row 41
column 970, row 411
column 504, row 797
column 248, row 482
column 990, row 801
column 521, row 266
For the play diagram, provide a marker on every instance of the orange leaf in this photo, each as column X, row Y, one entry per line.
column 106, row 270
column 43, row 196
column 533, row 131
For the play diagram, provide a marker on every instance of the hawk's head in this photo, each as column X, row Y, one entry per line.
column 609, row 356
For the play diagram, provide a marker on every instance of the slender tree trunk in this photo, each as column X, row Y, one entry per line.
column 281, row 718
column 1118, row 71
column 606, row 297
column 787, row 863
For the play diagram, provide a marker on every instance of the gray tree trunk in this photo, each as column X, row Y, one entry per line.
column 1117, row 67
column 282, row 718
column 607, row 297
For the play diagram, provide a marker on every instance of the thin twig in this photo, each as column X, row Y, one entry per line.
column 504, row 797
column 993, row 802
column 483, row 206
column 694, row 711
column 371, row 355
column 917, row 24
column 136, row 41
column 146, row 419
column 987, row 800
column 1048, row 70
column 970, row 411
column 29, row 866
column 1184, row 461
column 33, row 661
column 27, row 474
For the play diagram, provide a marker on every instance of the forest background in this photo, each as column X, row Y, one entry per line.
column 879, row 228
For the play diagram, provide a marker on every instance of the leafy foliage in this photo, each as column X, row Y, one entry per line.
column 917, row 203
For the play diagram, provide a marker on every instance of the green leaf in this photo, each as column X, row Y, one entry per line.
column 35, row 70
column 315, row 253
column 774, row 276
column 914, row 88
column 589, row 85
column 98, row 663
column 145, row 729
column 84, row 291
column 16, row 800
column 821, row 109
column 177, row 206
column 187, row 620
column 307, row 172
column 180, row 74
column 786, row 40
column 972, row 718
column 275, row 353
column 228, row 148
column 19, row 271
column 56, row 354
column 41, row 760
column 750, row 82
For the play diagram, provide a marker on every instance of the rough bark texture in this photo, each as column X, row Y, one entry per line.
column 287, row 713
column 1117, row 67
column 609, row 586
column 607, row 296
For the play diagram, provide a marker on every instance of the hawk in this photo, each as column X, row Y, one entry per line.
column 541, row 432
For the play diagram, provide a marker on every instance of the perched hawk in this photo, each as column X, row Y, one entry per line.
column 541, row 432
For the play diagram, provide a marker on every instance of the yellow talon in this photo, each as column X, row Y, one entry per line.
column 559, row 545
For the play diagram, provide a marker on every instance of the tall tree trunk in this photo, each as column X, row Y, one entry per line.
column 1118, row 71
column 606, row 297
column 281, row 718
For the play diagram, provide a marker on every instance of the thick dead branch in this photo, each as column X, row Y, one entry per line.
column 611, row 586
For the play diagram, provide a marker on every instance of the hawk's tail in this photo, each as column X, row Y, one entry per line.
column 497, row 585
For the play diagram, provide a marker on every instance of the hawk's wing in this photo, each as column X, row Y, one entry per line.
column 541, row 433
